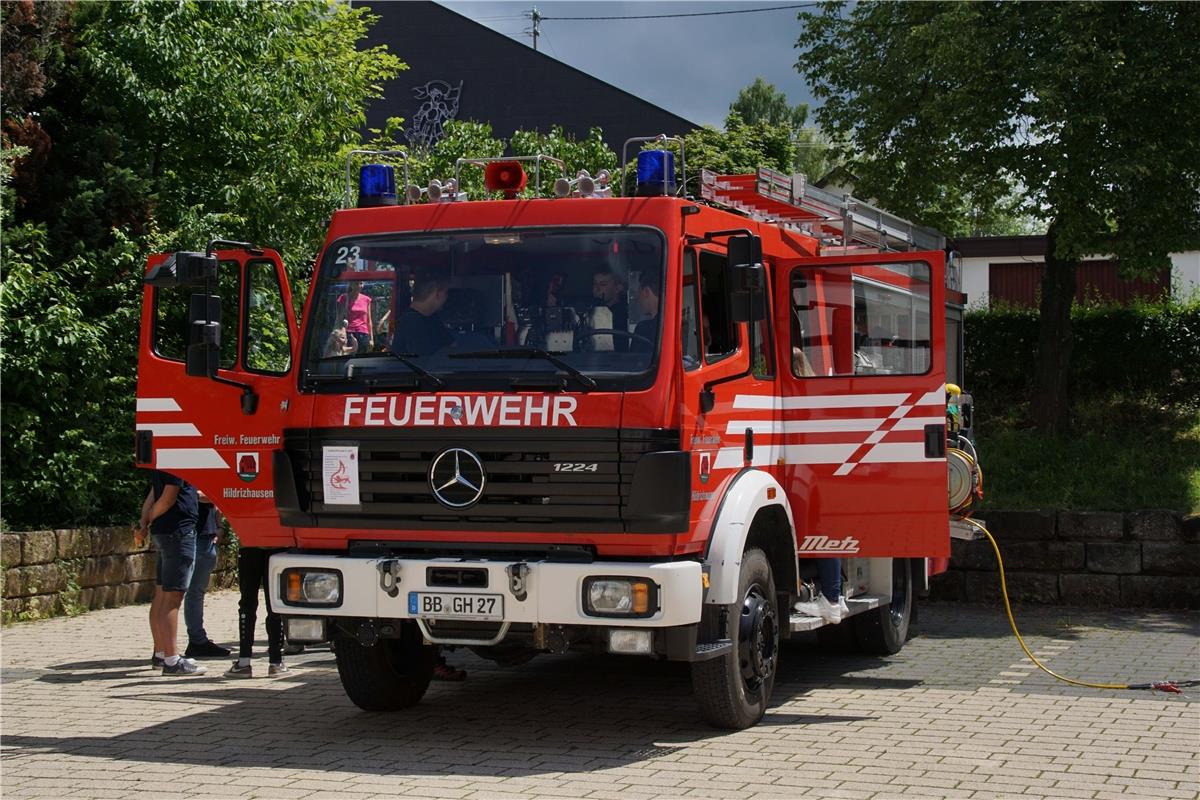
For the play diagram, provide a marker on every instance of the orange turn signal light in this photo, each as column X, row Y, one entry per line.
column 294, row 594
column 641, row 597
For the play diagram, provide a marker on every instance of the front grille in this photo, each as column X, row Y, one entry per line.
column 534, row 477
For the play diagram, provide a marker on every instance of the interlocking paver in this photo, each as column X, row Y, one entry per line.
column 82, row 716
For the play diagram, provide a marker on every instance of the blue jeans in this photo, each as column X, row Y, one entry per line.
column 829, row 573
column 193, row 601
column 176, row 559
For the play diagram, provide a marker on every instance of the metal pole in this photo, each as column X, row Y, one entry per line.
column 537, row 29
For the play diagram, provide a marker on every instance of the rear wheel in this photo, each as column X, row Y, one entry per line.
column 389, row 675
column 733, row 690
column 884, row 630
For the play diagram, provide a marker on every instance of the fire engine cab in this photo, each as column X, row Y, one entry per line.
column 658, row 424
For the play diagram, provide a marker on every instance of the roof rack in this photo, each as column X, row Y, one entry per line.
column 840, row 220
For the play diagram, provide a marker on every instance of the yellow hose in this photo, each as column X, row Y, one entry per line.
column 1017, row 633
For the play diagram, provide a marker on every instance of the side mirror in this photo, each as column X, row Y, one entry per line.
column 744, row 271
column 184, row 269
column 204, row 335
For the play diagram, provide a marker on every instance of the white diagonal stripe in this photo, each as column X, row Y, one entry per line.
column 169, row 428
column 917, row 423
column 900, row 412
column 157, row 404
column 827, row 401
column 896, row 453
column 189, row 458
column 768, row 427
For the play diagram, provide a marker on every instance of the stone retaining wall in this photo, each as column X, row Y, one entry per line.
column 66, row 571
column 1081, row 558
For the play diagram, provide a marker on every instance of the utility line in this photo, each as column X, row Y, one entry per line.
column 693, row 14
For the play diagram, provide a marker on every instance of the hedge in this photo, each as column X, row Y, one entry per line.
column 1141, row 349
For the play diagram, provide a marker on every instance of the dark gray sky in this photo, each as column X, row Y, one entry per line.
column 692, row 66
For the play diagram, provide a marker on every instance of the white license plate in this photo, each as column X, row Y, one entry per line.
column 454, row 605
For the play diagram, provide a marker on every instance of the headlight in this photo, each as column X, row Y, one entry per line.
column 620, row 597
column 303, row 587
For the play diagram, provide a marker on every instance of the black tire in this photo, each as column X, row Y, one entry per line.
column 733, row 690
column 390, row 675
column 884, row 630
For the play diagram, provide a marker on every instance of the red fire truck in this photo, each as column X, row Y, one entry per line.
column 650, row 424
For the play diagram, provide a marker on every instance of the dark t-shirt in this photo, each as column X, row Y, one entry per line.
column 647, row 328
column 207, row 525
column 417, row 333
column 181, row 517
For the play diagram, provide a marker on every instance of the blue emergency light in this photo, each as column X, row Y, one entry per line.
column 376, row 186
column 655, row 173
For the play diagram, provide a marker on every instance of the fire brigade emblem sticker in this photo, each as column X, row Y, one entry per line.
column 339, row 475
column 457, row 478
column 247, row 466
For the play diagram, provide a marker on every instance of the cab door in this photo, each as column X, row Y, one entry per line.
column 218, row 431
column 729, row 362
column 858, row 436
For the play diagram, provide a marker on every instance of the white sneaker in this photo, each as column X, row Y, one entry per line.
column 817, row 607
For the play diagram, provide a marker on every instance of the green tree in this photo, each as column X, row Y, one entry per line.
column 148, row 126
column 1087, row 112
column 764, row 102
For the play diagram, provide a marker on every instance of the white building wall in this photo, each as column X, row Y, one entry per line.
column 1185, row 275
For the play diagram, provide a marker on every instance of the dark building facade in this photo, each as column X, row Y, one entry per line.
column 459, row 69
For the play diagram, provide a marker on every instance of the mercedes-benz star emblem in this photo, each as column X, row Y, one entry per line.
column 457, row 478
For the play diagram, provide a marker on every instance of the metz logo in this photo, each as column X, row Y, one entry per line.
column 823, row 544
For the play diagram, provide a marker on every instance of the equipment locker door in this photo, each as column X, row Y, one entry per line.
column 857, row 437
column 219, row 433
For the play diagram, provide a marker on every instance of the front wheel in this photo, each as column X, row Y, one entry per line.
column 390, row 675
column 733, row 689
column 885, row 630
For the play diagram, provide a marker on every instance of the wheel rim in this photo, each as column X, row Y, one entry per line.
column 900, row 596
column 757, row 638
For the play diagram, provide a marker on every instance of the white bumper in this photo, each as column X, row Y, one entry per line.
column 553, row 591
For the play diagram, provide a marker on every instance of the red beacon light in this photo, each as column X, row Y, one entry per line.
column 504, row 176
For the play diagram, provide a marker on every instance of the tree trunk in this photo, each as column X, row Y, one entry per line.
column 1051, row 403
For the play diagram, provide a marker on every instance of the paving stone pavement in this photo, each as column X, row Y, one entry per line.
column 959, row 713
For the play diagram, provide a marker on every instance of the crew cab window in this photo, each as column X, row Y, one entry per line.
column 171, row 328
column 498, row 309
column 719, row 333
column 860, row 319
column 268, row 343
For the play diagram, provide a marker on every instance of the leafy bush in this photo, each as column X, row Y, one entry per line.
column 1132, row 350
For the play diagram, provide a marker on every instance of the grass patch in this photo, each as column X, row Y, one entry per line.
column 1124, row 454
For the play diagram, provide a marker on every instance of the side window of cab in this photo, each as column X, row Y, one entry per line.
column 170, row 339
column 268, row 344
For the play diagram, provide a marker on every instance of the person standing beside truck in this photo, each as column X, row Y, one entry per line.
column 169, row 515
column 252, row 576
column 208, row 537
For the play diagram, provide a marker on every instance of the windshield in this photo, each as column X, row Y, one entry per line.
column 572, row 309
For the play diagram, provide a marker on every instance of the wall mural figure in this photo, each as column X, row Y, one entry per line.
column 440, row 103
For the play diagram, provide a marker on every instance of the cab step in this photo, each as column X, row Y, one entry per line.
column 799, row 623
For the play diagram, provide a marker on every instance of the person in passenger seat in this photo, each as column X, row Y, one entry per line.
column 420, row 329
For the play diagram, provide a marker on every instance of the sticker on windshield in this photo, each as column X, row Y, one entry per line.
column 339, row 475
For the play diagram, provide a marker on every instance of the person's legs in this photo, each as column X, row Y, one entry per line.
column 155, row 618
column 193, row 600
column 274, row 621
column 177, row 552
column 251, row 567
column 829, row 572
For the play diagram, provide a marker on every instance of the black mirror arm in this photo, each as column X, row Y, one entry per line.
column 247, row 246
column 249, row 397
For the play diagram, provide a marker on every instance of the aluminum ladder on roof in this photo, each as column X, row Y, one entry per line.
column 771, row 196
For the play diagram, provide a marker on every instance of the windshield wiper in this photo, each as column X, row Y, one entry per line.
column 403, row 358
column 532, row 352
